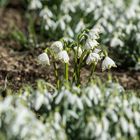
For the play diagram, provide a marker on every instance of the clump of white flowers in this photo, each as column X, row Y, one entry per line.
column 83, row 50
column 120, row 22
column 96, row 112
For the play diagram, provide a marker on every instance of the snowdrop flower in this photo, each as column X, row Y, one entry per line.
column 116, row 42
column 94, row 33
column 90, row 44
column 137, row 118
column 108, row 63
column 35, row 4
column 57, row 46
column 132, row 130
column 63, row 56
column 80, row 26
column 93, row 57
column 96, row 50
column 38, row 101
column 79, row 51
column 46, row 13
column 99, row 129
column 44, row 59
column 124, row 124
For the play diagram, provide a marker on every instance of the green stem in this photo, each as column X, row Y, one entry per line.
column 56, row 74
column 75, row 70
column 92, row 71
column 109, row 75
column 79, row 67
column 66, row 72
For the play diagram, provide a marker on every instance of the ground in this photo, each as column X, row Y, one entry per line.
column 21, row 67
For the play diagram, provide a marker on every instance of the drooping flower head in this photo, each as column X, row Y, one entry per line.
column 63, row 56
column 94, row 33
column 56, row 47
column 44, row 59
column 108, row 63
column 90, row 44
column 92, row 58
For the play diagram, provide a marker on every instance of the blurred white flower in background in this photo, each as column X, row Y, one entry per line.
column 80, row 26
column 116, row 42
column 35, row 4
column 63, row 56
column 46, row 13
column 108, row 63
column 44, row 59
column 124, row 124
column 132, row 129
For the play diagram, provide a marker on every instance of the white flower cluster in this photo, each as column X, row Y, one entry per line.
column 96, row 113
column 57, row 52
column 120, row 21
column 90, row 47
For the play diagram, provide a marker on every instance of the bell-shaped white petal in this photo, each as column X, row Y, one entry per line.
column 92, row 58
column 90, row 44
column 79, row 51
column 44, row 59
column 108, row 63
column 57, row 46
column 63, row 56
column 35, row 4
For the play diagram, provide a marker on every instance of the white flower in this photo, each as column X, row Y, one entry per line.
column 93, row 57
column 124, row 124
column 137, row 118
column 96, row 50
column 35, row 4
column 116, row 42
column 90, row 44
column 94, row 33
column 132, row 130
column 79, row 51
column 108, row 63
column 79, row 26
column 99, row 129
column 57, row 47
column 44, row 59
column 46, row 13
column 63, row 56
